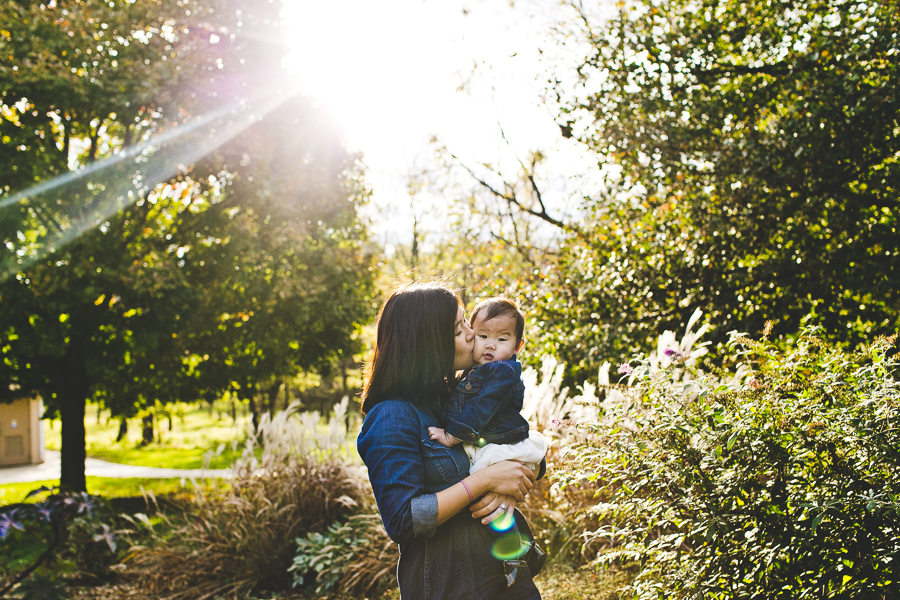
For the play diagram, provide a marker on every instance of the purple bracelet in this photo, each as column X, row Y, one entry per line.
column 467, row 489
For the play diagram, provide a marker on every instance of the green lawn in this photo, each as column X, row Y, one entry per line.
column 108, row 487
column 195, row 432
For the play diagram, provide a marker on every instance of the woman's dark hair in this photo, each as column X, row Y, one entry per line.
column 414, row 345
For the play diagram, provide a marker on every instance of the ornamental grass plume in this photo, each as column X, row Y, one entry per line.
column 556, row 514
column 293, row 477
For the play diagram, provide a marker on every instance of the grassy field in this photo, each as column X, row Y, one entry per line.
column 107, row 487
column 195, row 432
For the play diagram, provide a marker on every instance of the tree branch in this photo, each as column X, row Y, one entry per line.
column 512, row 200
column 529, row 173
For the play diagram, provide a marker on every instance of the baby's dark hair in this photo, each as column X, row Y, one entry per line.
column 495, row 307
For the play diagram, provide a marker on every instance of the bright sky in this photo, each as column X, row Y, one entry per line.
column 390, row 72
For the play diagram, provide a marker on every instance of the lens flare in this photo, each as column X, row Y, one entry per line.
column 508, row 546
column 504, row 523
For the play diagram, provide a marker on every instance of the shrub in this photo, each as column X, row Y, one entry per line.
column 35, row 535
column 782, row 481
column 355, row 557
column 243, row 538
column 557, row 514
column 43, row 586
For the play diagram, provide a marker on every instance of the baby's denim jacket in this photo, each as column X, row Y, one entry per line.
column 485, row 407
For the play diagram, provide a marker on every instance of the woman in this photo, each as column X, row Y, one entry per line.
column 422, row 487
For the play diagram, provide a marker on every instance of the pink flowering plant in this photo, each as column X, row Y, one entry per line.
column 778, row 480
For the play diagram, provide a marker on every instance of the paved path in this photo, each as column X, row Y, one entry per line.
column 49, row 469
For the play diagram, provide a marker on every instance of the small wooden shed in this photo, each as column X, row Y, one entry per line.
column 21, row 433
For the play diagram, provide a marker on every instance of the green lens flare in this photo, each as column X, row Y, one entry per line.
column 504, row 523
column 508, row 547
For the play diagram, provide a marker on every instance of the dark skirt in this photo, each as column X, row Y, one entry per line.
column 463, row 560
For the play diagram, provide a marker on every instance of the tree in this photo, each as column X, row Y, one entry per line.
column 749, row 153
column 294, row 293
column 151, row 278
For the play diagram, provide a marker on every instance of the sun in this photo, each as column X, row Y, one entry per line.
column 389, row 71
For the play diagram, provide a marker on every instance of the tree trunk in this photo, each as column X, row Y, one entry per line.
column 287, row 394
column 170, row 421
column 123, row 429
column 273, row 396
column 254, row 412
column 147, row 430
column 73, row 451
column 233, row 411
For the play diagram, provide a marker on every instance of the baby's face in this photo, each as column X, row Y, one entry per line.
column 494, row 339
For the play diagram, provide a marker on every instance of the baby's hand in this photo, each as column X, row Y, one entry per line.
column 442, row 437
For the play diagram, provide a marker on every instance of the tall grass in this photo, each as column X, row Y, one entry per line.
column 294, row 476
column 561, row 508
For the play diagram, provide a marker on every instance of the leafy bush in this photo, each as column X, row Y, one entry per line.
column 780, row 481
column 35, row 535
column 43, row 586
column 243, row 539
column 92, row 541
column 354, row 557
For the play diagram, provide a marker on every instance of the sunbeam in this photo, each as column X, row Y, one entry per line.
column 125, row 177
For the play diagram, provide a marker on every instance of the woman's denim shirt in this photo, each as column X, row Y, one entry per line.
column 486, row 406
column 406, row 467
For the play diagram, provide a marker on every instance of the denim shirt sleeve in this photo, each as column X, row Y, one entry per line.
column 498, row 383
column 390, row 446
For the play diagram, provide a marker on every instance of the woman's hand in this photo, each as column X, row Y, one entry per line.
column 508, row 478
column 492, row 506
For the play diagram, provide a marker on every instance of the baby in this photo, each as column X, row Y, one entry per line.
column 483, row 412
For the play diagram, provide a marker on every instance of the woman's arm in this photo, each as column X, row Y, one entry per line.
column 505, row 478
column 390, row 445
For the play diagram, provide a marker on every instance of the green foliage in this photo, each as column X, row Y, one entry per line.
column 150, row 280
column 351, row 557
column 63, row 524
column 777, row 482
column 93, row 550
column 559, row 515
column 43, row 586
column 749, row 155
